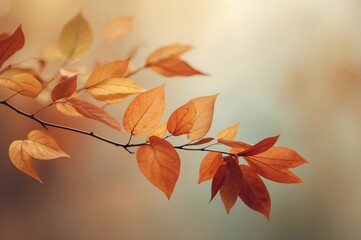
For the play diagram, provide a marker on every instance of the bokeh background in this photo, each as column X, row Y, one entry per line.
column 289, row 67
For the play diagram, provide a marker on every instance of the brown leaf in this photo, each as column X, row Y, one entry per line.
column 182, row 119
column 160, row 164
column 22, row 159
column 145, row 111
column 232, row 183
column 92, row 111
column 41, row 145
column 209, row 166
column 11, row 44
column 204, row 115
column 260, row 147
column 25, row 84
column 64, row 89
column 228, row 133
column 158, row 131
column 75, row 38
column 172, row 67
column 253, row 192
column 167, row 51
column 117, row 28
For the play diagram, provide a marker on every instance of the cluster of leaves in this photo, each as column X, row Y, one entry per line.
column 157, row 157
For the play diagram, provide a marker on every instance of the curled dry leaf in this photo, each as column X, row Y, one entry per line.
column 25, row 84
column 11, row 44
column 75, row 38
column 145, row 111
column 158, row 131
column 39, row 145
column 228, row 133
column 106, row 83
column 22, row 159
column 92, row 111
column 117, row 28
column 209, row 166
column 253, row 192
column 64, row 89
column 160, row 164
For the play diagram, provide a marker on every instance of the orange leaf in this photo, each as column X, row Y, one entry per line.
column 217, row 180
column 228, row 133
column 167, row 52
column 22, row 159
column 232, row 183
column 204, row 115
column 25, row 84
column 75, row 38
column 158, row 131
column 260, row 147
column 182, row 119
column 11, row 44
column 253, row 192
column 92, row 111
column 64, row 89
column 209, row 166
column 67, row 109
column 41, row 145
column 145, row 111
column 234, row 144
column 202, row 141
column 160, row 164
column 173, row 66
column 272, row 172
column 117, row 28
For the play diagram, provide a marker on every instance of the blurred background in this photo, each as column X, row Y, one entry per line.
column 289, row 67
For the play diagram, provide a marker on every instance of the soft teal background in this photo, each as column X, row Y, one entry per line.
column 289, row 67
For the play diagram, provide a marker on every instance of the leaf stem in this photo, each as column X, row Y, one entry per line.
column 135, row 72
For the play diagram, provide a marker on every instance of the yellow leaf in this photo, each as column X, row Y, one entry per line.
column 67, row 109
column 182, row 119
column 203, row 120
column 160, row 164
column 117, row 28
column 167, row 52
column 22, row 159
column 92, row 111
column 229, row 133
column 114, row 90
column 75, row 38
column 145, row 111
column 25, row 84
column 41, row 145
column 158, row 131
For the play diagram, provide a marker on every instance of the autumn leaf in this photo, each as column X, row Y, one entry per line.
column 166, row 61
column 201, row 141
column 106, row 83
column 25, row 84
column 260, row 147
column 165, row 52
column 75, row 38
column 209, row 166
column 39, row 145
column 160, row 164
column 145, row 111
column 92, row 111
column 4, row 36
column 158, row 131
column 11, row 44
column 67, row 109
column 204, row 115
column 217, row 180
column 228, row 133
column 254, row 192
column 64, row 89
column 182, row 119
column 232, row 183
column 117, row 27
column 22, row 159
column 237, row 146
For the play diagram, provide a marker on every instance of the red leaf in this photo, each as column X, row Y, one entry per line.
column 64, row 89
column 4, row 36
column 218, row 180
column 209, row 166
column 253, row 192
column 260, row 147
column 232, row 183
column 11, row 45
